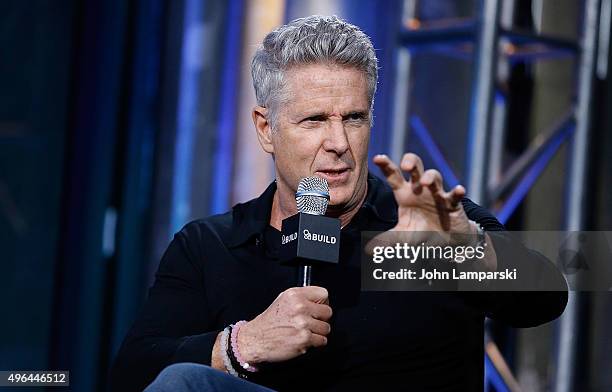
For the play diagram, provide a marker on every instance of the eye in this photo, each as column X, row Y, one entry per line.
column 355, row 117
column 313, row 122
column 316, row 118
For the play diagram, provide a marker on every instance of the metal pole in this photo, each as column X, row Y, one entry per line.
column 498, row 126
column 306, row 275
column 577, row 191
column 399, row 128
column 604, row 38
column 401, row 101
column 481, row 108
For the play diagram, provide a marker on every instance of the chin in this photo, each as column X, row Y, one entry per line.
column 338, row 198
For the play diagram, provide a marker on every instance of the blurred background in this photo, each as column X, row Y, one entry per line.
column 120, row 121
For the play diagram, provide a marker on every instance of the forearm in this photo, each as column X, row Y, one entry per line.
column 216, row 360
column 538, row 295
column 246, row 344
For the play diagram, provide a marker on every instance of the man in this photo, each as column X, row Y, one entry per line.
column 315, row 80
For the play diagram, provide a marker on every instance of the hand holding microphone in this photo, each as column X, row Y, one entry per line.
column 296, row 321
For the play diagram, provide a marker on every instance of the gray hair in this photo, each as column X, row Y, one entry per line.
column 310, row 40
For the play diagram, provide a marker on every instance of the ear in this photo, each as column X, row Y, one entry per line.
column 263, row 128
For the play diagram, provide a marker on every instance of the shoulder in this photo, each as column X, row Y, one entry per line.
column 200, row 230
column 227, row 229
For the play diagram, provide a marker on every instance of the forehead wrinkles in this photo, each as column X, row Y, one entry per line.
column 326, row 76
column 307, row 82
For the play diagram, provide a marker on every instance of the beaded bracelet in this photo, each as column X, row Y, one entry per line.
column 230, row 354
column 226, row 360
column 234, row 345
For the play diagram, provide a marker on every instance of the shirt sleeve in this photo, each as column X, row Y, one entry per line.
column 175, row 322
column 518, row 308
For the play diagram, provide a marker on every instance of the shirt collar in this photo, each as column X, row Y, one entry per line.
column 251, row 218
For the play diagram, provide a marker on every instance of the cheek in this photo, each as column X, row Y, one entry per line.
column 296, row 152
column 359, row 143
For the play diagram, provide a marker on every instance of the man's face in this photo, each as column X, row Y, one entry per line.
column 323, row 129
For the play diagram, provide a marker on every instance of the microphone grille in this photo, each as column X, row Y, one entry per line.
column 312, row 195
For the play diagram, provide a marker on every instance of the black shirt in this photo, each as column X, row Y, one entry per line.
column 224, row 268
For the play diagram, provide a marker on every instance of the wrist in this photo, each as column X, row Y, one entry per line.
column 242, row 362
column 477, row 233
column 225, row 352
column 483, row 240
column 247, row 344
column 216, row 360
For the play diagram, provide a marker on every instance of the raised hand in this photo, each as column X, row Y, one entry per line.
column 423, row 205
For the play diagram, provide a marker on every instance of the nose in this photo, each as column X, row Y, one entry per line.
column 336, row 139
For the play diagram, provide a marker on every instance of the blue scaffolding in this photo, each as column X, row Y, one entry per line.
column 488, row 40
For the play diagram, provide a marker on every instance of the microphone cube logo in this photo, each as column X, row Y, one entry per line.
column 324, row 238
column 310, row 238
column 307, row 235
column 285, row 239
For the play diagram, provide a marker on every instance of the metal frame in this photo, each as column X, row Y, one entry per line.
column 487, row 112
column 576, row 198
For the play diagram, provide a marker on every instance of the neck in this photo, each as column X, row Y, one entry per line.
column 283, row 206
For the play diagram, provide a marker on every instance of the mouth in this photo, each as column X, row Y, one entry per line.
column 334, row 175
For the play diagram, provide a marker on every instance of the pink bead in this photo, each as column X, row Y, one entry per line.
column 234, row 343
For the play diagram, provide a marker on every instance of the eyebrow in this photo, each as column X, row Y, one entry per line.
column 323, row 115
column 360, row 113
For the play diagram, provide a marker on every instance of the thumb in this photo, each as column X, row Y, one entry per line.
column 316, row 294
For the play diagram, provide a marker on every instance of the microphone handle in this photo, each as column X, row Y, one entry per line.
column 305, row 274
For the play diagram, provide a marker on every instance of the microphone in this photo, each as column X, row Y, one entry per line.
column 309, row 237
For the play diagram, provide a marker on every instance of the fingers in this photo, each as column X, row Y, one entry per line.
column 319, row 327
column 413, row 164
column 455, row 195
column 314, row 330
column 311, row 301
column 321, row 311
column 392, row 172
column 433, row 180
column 317, row 340
column 312, row 333
column 311, row 293
column 419, row 178
column 313, row 325
column 306, row 339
